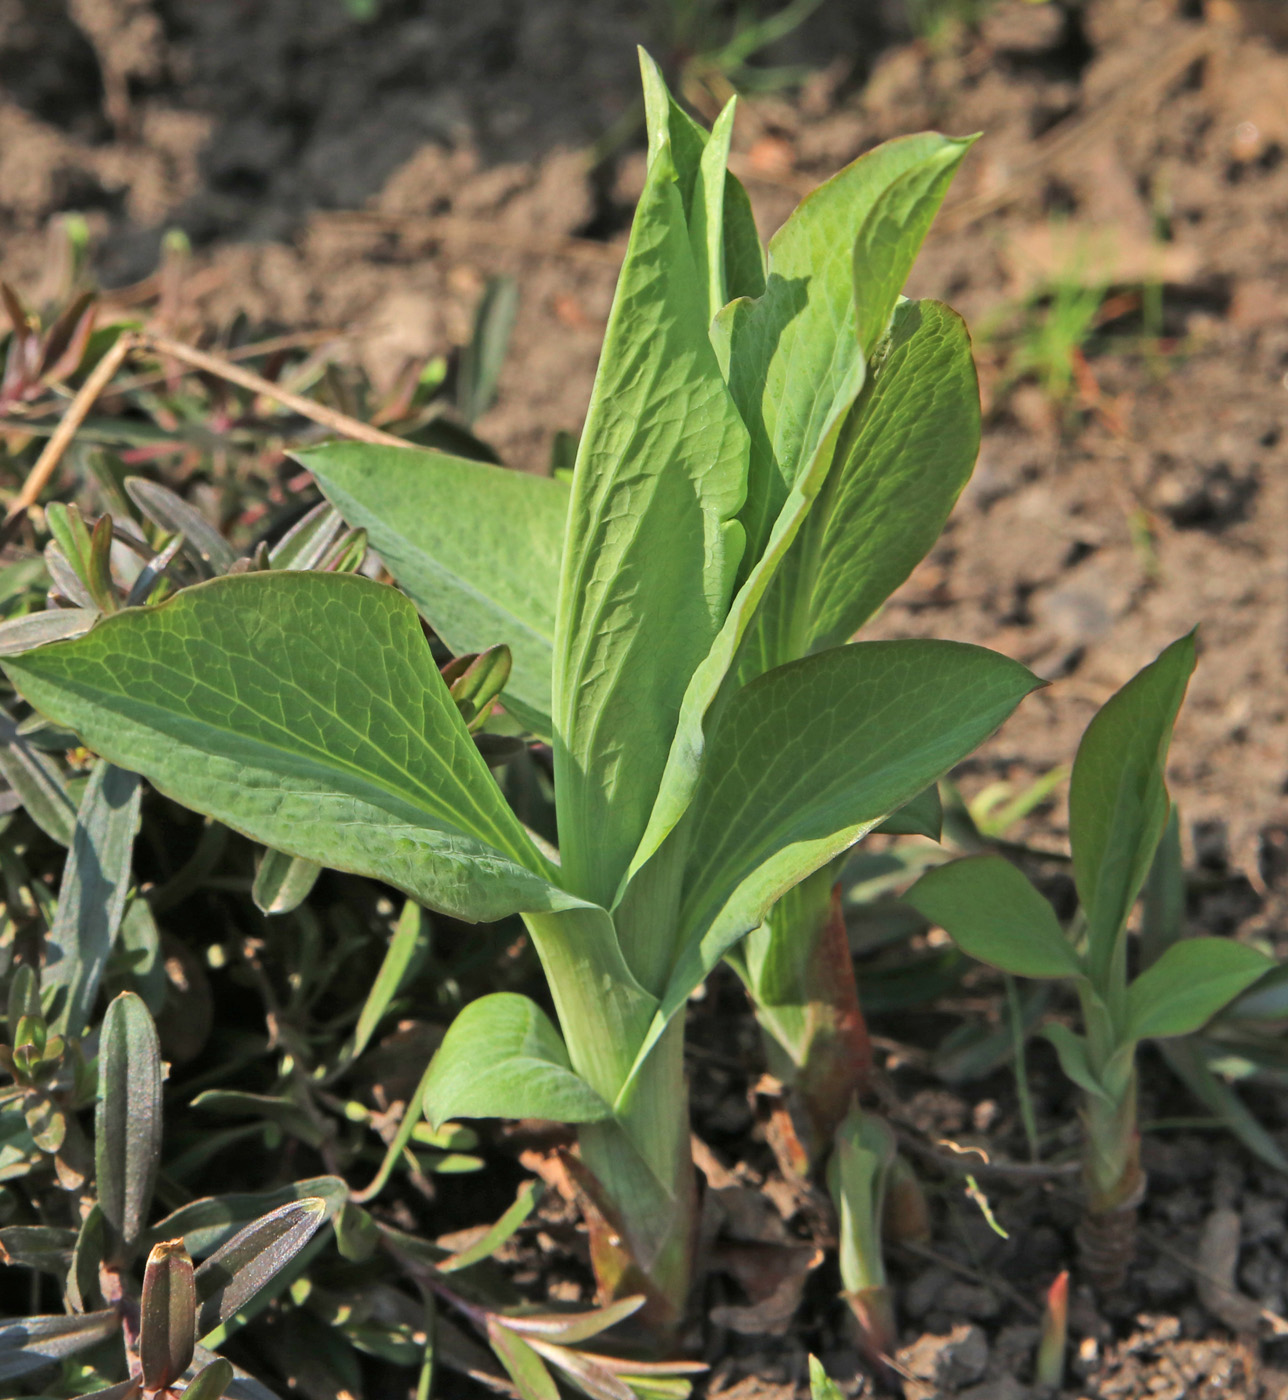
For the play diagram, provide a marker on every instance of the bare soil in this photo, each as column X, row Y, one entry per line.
column 368, row 178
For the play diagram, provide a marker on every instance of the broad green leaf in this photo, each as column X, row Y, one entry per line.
column 283, row 882
column 891, row 236
column 812, row 755
column 167, row 1315
column 231, row 1277
column 28, row 1343
column 127, row 1121
column 1189, row 984
column 993, row 913
column 900, row 467
column 92, row 895
column 653, row 545
column 502, row 1058
column 303, row 709
column 475, row 547
column 793, row 356
column 1118, row 797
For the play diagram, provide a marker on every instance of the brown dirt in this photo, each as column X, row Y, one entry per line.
column 370, row 178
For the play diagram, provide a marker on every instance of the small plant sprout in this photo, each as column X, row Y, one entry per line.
column 750, row 484
column 1048, row 1365
column 1118, row 809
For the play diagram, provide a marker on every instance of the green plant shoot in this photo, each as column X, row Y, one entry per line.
column 1118, row 809
column 744, row 496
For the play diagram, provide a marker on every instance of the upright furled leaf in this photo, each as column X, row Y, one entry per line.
column 902, row 463
column 1118, row 796
column 653, row 544
column 127, row 1120
column 812, row 755
column 92, row 895
column 305, row 710
column 167, row 1315
column 475, row 547
column 793, row 356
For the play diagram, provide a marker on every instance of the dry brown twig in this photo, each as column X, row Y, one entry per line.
column 100, row 377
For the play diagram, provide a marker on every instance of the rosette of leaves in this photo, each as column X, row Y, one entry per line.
column 697, row 778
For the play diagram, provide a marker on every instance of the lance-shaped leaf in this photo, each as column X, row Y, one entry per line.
column 495, row 1235
column 303, row 709
column 167, row 1315
column 92, row 895
column 127, row 1121
column 652, row 544
column 201, row 541
column 502, row 1058
column 37, row 781
column 1189, row 984
column 43, row 1247
column 210, row 1222
column 526, row 1369
column 1118, row 797
column 28, row 1343
column 231, row 1277
column 722, row 230
column 475, row 547
column 992, row 912
column 809, row 757
column 793, row 356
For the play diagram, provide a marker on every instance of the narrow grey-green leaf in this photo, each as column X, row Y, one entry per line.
column 37, row 781
column 993, row 913
column 306, row 543
column 123, row 1390
column 483, row 357
column 475, row 547
column 28, row 1343
column 52, row 625
column 43, row 1247
column 1118, row 796
column 210, row 1222
column 231, row 1277
column 283, row 882
column 202, row 542
column 303, row 709
column 526, row 1369
column 891, row 236
column 92, row 895
column 411, row 934
column 1189, row 984
column 502, row 1058
column 653, row 545
column 127, row 1120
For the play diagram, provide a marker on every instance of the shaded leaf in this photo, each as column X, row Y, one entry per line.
column 211, row 1382
column 127, row 1121
column 43, row 1247
column 53, row 625
column 411, row 935
column 92, row 895
column 231, row 1277
column 992, row 912
column 38, row 783
column 208, row 1223
column 495, row 1235
column 28, row 1343
column 202, row 542
column 923, row 816
column 483, row 357
column 502, row 1058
